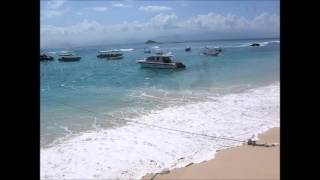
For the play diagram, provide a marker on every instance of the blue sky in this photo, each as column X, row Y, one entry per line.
column 81, row 22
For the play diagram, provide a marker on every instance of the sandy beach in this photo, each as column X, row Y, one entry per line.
column 244, row 162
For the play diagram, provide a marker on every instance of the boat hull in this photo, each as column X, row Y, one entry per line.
column 158, row 66
column 211, row 54
column 47, row 59
column 162, row 65
column 109, row 57
column 69, row 59
column 114, row 58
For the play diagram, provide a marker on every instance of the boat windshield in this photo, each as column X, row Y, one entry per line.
column 151, row 58
column 112, row 51
column 166, row 60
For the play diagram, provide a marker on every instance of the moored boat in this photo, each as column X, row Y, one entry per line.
column 255, row 44
column 45, row 57
column 163, row 61
column 68, row 57
column 110, row 54
column 212, row 51
column 146, row 50
column 157, row 50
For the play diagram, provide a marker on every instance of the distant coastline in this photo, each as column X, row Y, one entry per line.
column 157, row 42
column 151, row 42
column 222, row 39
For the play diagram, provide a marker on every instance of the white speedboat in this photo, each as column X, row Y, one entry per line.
column 146, row 50
column 110, row 54
column 212, row 51
column 157, row 50
column 163, row 61
column 68, row 57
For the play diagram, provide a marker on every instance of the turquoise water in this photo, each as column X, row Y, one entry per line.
column 79, row 96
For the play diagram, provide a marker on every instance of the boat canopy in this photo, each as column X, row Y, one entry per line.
column 111, row 51
column 66, row 54
column 162, row 55
column 210, row 47
column 166, row 58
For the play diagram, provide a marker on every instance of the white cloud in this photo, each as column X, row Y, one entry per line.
column 79, row 13
column 55, row 4
column 264, row 20
column 154, row 8
column 164, row 21
column 52, row 8
column 82, row 27
column 51, row 13
column 98, row 9
column 120, row 5
column 184, row 3
column 230, row 23
column 162, row 25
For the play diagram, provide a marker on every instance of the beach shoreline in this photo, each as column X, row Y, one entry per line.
column 128, row 152
column 242, row 162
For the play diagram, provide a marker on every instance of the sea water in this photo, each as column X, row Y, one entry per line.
column 88, row 108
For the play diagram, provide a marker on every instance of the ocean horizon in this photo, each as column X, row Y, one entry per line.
column 44, row 48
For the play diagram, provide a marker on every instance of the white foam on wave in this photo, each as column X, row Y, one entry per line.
column 268, row 42
column 264, row 43
column 131, row 151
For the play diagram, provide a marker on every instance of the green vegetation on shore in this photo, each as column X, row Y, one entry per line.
column 151, row 42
